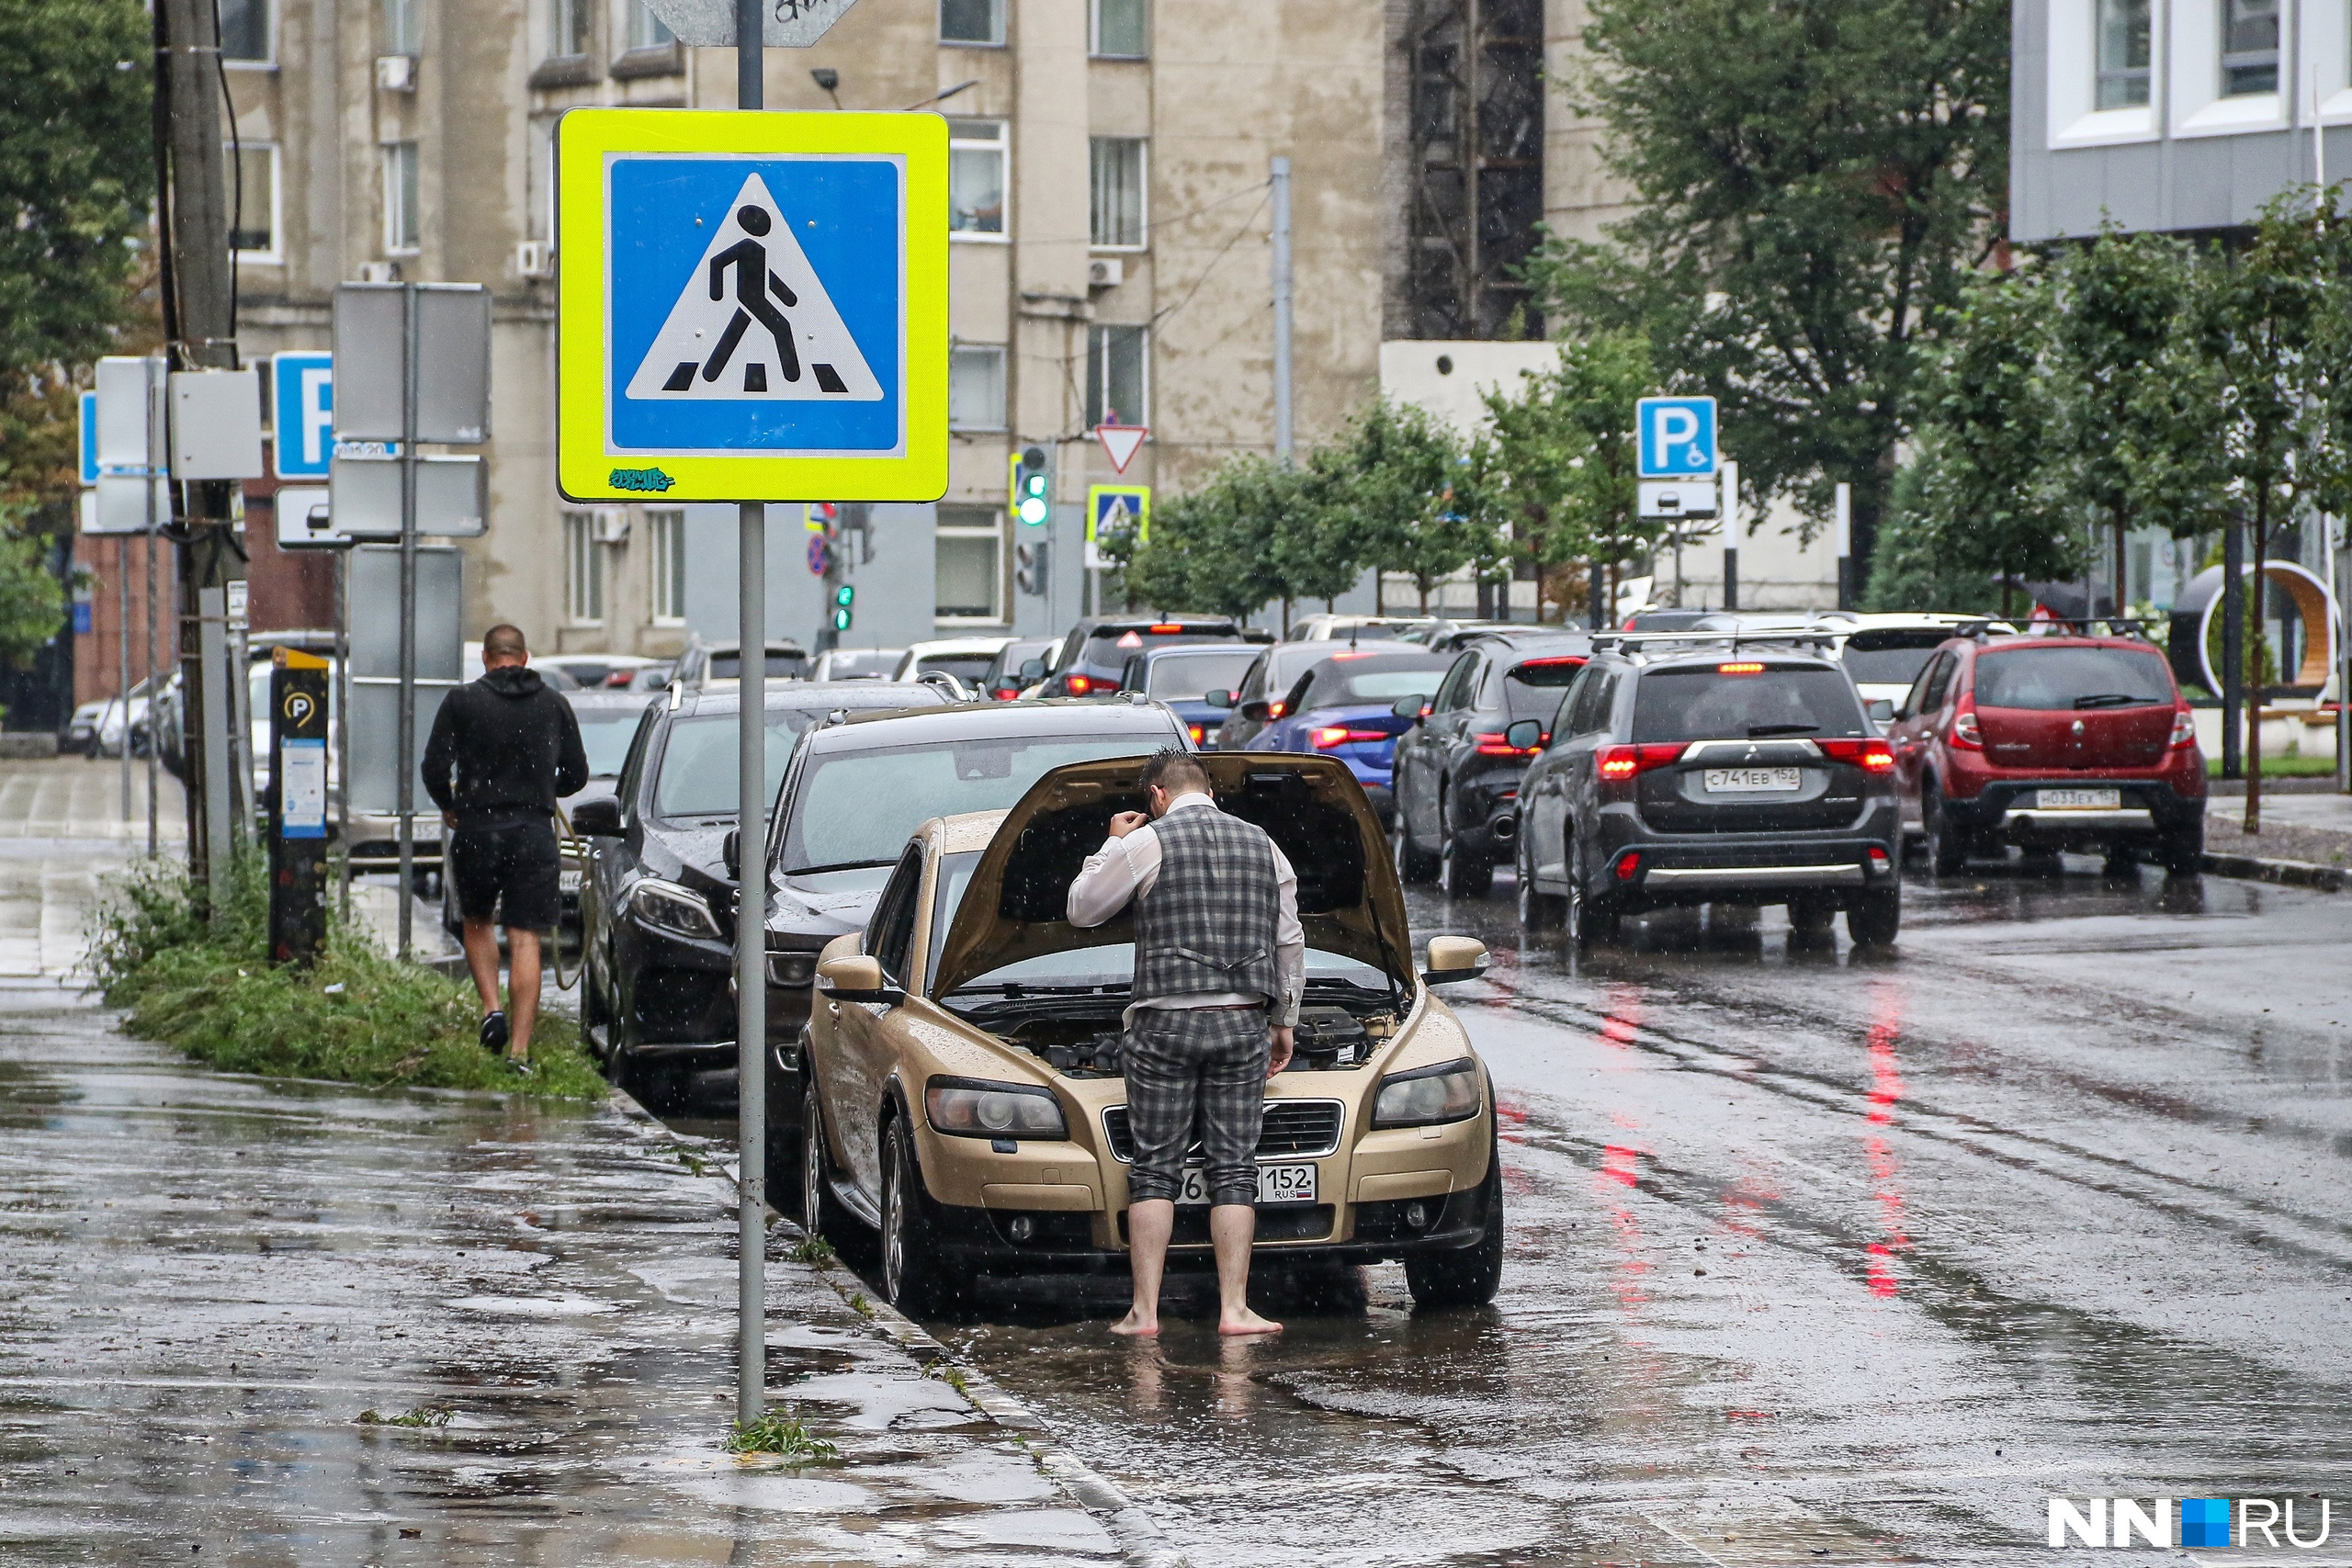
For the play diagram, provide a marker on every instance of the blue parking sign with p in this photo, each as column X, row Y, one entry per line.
column 303, row 398
column 1677, row 438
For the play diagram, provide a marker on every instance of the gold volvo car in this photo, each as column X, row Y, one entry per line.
column 961, row 1081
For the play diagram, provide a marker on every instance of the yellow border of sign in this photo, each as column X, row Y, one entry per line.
column 584, row 465
column 1142, row 494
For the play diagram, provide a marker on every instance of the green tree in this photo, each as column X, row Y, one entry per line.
column 1911, row 569
column 32, row 601
column 1814, row 181
column 1403, row 484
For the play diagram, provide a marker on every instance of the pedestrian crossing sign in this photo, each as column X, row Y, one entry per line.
column 751, row 306
column 1118, row 511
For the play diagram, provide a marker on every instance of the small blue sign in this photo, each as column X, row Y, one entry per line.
column 305, row 404
column 89, row 438
column 82, row 617
column 1677, row 438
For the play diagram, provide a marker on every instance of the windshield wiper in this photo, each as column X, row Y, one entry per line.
column 1023, row 988
column 1760, row 731
column 844, row 865
column 2111, row 700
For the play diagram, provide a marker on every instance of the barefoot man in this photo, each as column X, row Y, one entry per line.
column 1220, row 962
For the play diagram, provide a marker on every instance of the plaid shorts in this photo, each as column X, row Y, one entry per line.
column 1196, row 1079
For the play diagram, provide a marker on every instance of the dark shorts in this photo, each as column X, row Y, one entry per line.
column 511, row 871
column 1196, row 1079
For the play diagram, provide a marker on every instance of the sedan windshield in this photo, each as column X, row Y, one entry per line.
column 1746, row 702
column 2067, row 678
column 1343, row 681
column 860, row 807
column 1188, row 677
column 872, row 663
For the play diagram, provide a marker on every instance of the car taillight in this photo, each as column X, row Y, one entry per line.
column 1630, row 762
column 1964, row 731
column 1496, row 746
column 1741, row 669
column 1196, row 733
column 1326, row 736
column 1871, row 756
column 1275, row 710
column 1629, row 865
column 2184, row 728
column 1088, row 685
column 1879, row 861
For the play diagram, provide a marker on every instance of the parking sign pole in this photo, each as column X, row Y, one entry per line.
column 751, row 872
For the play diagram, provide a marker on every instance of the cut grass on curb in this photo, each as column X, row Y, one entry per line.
column 2283, row 767
column 783, row 1436
column 208, row 987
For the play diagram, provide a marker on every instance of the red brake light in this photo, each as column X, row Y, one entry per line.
column 1629, row 865
column 1492, row 745
column 620, row 678
column 1630, row 762
column 1080, row 685
column 1326, row 736
column 1170, row 631
column 1196, row 733
column 1275, row 710
column 1964, row 730
column 2184, row 728
column 1570, row 659
column 1877, row 857
column 1871, row 756
column 1742, row 668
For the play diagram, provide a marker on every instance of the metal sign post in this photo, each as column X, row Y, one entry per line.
column 752, row 308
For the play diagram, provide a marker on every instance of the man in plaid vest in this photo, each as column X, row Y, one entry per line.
column 1220, row 962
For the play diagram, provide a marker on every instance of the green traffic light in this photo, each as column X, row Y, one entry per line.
column 844, row 595
column 1033, row 509
column 841, row 619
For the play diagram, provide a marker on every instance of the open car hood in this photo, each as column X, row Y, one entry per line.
column 1349, row 899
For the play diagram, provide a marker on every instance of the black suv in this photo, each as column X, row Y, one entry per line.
column 1456, row 771
column 1707, row 768
column 1094, row 657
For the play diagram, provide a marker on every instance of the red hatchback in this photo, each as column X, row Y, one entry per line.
column 2050, row 743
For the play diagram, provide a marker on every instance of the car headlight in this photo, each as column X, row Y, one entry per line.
column 1447, row 1092
column 792, row 970
column 974, row 1108
column 667, row 907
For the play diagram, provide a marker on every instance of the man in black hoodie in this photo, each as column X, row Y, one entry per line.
column 504, row 748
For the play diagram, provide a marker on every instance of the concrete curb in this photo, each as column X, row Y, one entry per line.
column 2285, row 872
column 1141, row 1541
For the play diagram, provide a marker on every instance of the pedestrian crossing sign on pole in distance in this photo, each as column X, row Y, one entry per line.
column 1116, row 512
column 751, row 306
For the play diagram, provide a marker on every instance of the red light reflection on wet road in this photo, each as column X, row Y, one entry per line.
column 1886, row 1172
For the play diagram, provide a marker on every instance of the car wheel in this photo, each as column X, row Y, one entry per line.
column 1810, row 919
column 1472, row 1276
column 1947, row 843
column 820, row 1211
column 917, row 1276
column 1413, row 866
column 1462, row 873
column 1538, row 911
column 1587, row 925
column 2183, row 850
column 1873, row 918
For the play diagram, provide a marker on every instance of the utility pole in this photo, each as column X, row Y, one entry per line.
column 1281, row 203
column 200, row 329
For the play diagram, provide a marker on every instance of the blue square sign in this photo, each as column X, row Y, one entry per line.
column 1677, row 438
column 303, row 398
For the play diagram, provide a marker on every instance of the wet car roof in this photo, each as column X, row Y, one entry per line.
column 883, row 694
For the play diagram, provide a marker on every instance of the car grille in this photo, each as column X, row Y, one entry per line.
column 1300, row 1128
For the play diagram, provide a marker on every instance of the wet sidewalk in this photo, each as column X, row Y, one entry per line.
column 210, row 1280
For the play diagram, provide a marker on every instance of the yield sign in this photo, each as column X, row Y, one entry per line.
column 1121, row 441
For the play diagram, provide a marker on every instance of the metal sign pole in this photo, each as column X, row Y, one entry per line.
column 343, row 730
column 154, row 677
column 405, row 746
column 123, row 658
column 750, row 870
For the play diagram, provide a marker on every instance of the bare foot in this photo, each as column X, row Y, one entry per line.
column 1137, row 1325
column 1248, row 1322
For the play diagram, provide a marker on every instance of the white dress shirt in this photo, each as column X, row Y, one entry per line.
column 1126, row 869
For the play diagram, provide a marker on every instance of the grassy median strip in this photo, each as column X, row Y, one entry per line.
column 358, row 1016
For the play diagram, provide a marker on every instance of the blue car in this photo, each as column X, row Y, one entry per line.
column 1346, row 707
column 1182, row 676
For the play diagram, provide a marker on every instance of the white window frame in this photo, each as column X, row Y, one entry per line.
column 1095, row 32
column 275, row 254
column 1142, row 145
column 995, row 351
column 1002, row 148
column 553, row 15
column 1128, row 416
column 996, row 9
column 394, row 202
column 2325, row 43
column 2075, row 118
column 2194, row 85
column 994, row 531
column 583, row 570
column 268, row 59
column 665, row 558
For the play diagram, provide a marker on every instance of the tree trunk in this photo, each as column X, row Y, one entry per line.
column 1285, row 618
column 1424, row 584
column 2254, row 646
column 2122, row 600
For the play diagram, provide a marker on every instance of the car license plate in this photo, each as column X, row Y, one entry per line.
column 569, row 881
column 1276, row 1184
column 2079, row 800
column 1752, row 781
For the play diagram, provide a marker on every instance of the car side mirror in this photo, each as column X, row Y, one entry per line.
column 1454, row 958
column 1409, row 708
column 1218, row 699
column 597, row 819
column 1523, row 735
column 1258, row 712
column 1032, row 671
column 1884, row 710
column 730, row 853
column 855, row 978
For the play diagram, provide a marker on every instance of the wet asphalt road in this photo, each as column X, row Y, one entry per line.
column 1813, row 1255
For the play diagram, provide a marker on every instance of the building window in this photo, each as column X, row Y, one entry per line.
column 2249, row 46
column 583, row 570
column 254, row 197
column 567, row 28
column 976, row 387
column 1117, row 189
column 1117, row 390
column 647, row 31
column 971, row 21
column 975, row 176
column 968, row 570
column 2123, row 37
column 244, row 30
column 404, row 26
column 401, row 226
column 665, row 534
column 1119, row 29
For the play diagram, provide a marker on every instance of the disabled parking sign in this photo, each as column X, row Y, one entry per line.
column 753, row 306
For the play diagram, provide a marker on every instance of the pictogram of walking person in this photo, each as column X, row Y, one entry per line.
column 753, row 285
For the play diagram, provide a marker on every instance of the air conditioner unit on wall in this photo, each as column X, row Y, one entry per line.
column 535, row 258
column 611, row 525
column 380, row 272
column 1106, row 272
column 396, row 73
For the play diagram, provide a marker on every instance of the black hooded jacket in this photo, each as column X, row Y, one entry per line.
column 504, row 748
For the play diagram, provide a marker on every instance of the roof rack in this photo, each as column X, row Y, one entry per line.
column 1794, row 635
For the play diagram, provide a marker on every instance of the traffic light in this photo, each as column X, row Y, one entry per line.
column 844, row 600
column 1033, row 487
column 1030, row 567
